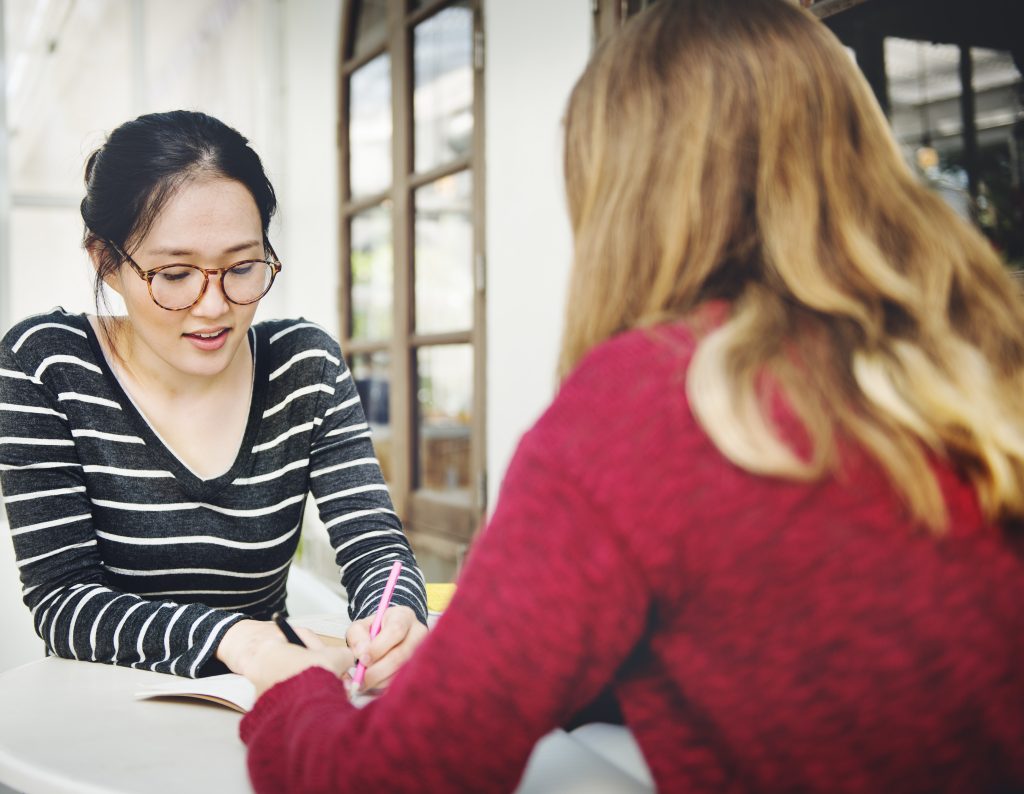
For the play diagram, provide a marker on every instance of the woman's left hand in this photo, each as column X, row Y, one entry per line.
column 400, row 633
column 274, row 661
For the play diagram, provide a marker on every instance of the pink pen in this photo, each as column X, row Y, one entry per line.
column 385, row 602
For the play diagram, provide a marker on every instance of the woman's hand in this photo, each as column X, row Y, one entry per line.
column 276, row 661
column 245, row 638
column 400, row 633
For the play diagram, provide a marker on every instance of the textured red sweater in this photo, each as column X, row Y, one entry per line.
column 759, row 635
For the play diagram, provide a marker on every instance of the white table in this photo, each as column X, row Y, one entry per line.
column 76, row 727
column 71, row 727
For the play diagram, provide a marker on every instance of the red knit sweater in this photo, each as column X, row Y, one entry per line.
column 759, row 635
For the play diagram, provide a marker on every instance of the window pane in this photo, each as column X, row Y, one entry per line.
column 443, row 75
column 924, row 90
column 370, row 23
column 369, row 130
column 371, row 373
column 925, row 95
column 372, row 263
column 444, row 255
column 445, row 398
column 999, row 119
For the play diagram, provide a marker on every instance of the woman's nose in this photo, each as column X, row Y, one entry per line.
column 213, row 302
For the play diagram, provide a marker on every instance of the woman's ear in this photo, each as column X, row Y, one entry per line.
column 98, row 251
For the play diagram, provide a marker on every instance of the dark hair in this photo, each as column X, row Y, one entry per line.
column 129, row 179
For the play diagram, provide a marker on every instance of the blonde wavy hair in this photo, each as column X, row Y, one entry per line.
column 732, row 150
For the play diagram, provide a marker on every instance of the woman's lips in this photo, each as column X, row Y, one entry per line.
column 209, row 340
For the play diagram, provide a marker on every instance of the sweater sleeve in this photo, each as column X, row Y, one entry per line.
column 59, row 561
column 549, row 606
column 353, row 501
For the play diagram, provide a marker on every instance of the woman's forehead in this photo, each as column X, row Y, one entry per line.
column 208, row 216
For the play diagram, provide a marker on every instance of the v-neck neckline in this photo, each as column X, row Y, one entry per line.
column 189, row 480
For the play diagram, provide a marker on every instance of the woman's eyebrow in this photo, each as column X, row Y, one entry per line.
column 234, row 249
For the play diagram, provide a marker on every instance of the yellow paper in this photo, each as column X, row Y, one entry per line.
column 438, row 595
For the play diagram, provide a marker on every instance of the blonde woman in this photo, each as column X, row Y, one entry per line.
column 773, row 510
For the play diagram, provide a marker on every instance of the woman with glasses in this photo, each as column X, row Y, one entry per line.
column 779, row 494
column 155, row 466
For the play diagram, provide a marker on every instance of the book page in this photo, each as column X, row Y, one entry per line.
column 231, row 690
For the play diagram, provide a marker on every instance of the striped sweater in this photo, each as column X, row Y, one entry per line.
column 125, row 555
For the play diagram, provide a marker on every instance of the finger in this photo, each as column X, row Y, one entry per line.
column 394, row 629
column 358, row 633
column 380, row 673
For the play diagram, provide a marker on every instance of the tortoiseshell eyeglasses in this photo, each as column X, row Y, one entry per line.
column 181, row 286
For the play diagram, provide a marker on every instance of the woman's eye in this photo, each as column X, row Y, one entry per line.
column 173, row 274
column 242, row 270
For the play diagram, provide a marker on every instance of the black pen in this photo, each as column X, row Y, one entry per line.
column 287, row 630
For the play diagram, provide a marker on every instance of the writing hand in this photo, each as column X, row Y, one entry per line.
column 400, row 633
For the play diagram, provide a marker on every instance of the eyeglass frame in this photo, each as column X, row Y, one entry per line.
column 147, row 275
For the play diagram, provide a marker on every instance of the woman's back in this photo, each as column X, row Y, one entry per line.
column 801, row 636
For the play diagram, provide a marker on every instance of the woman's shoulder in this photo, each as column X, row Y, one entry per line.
column 298, row 347
column 634, row 382
column 40, row 336
column 294, row 335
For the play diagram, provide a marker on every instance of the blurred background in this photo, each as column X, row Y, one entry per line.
column 415, row 147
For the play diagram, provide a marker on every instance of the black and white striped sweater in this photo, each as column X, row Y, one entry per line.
column 126, row 556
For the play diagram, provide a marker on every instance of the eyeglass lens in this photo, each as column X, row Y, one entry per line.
column 180, row 286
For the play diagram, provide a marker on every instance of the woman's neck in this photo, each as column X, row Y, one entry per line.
column 148, row 375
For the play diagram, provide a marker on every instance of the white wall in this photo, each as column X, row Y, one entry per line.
column 536, row 49
column 307, row 186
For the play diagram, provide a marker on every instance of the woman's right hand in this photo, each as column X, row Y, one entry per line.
column 243, row 640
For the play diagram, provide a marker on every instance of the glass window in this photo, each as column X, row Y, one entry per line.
column 921, row 79
column 371, row 373
column 999, row 161
column 369, row 130
column 410, row 244
column 372, row 269
column 445, row 399
column 444, row 255
column 443, row 92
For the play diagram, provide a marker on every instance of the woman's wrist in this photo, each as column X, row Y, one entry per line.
column 231, row 648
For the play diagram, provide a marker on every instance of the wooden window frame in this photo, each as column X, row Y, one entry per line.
column 431, row 523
